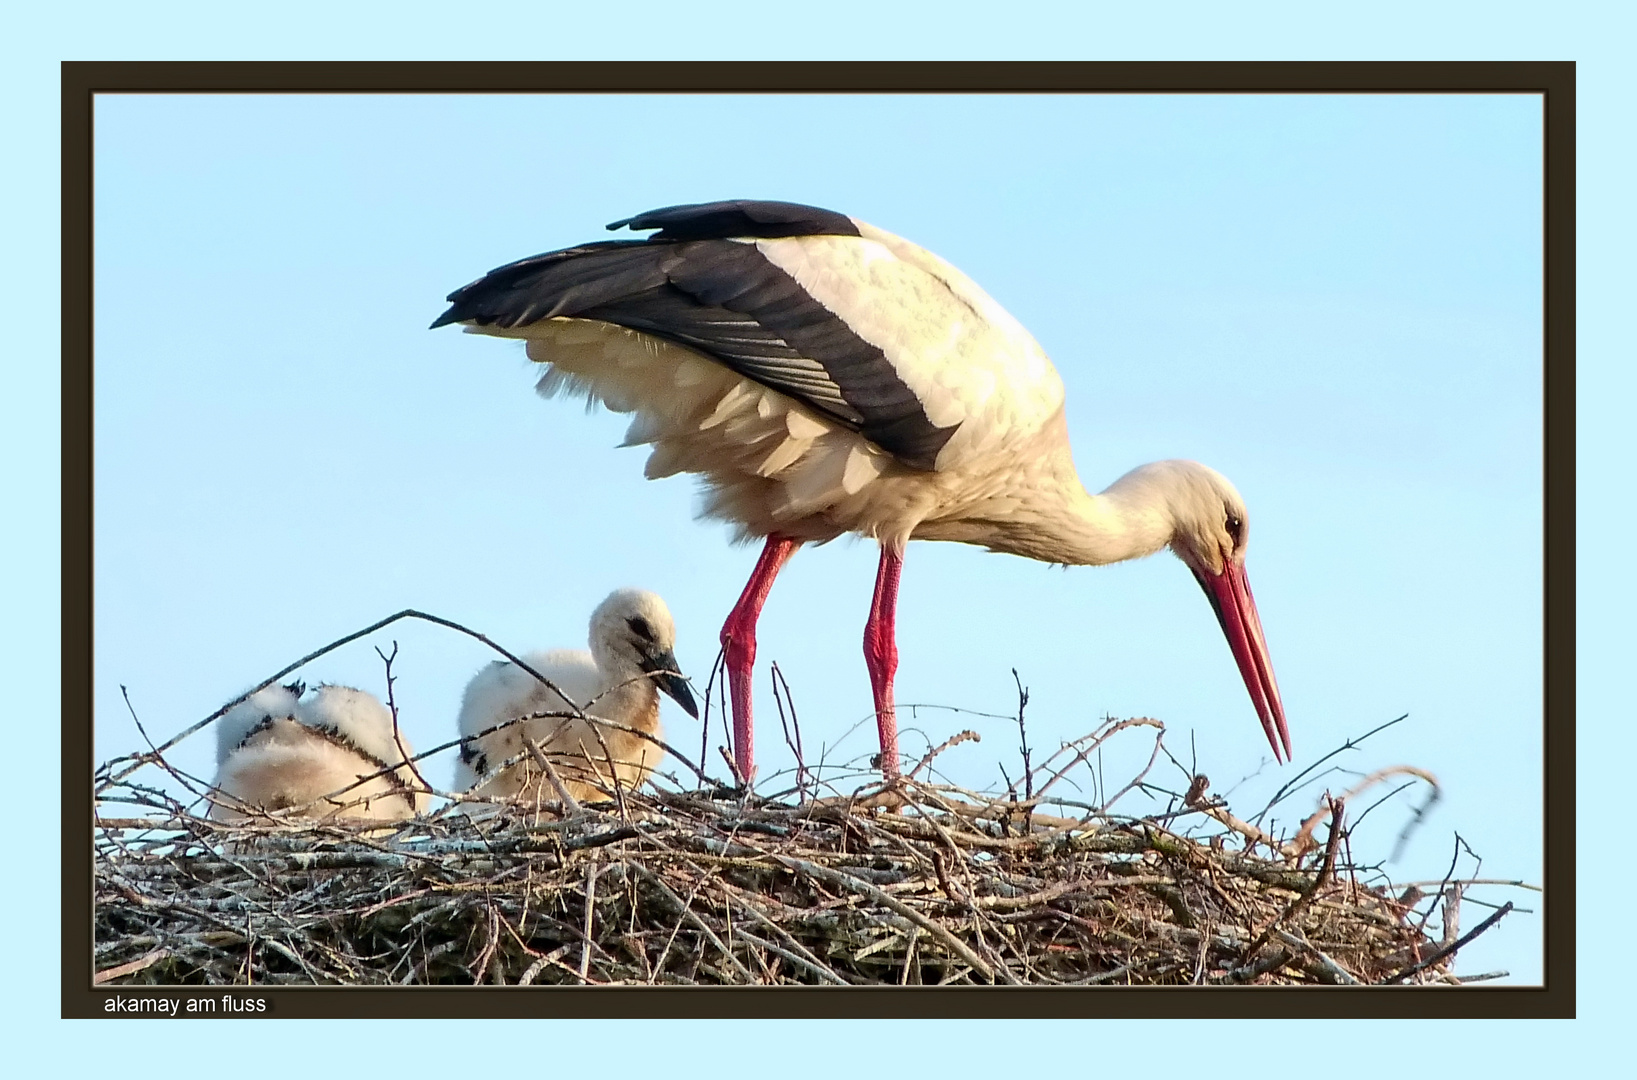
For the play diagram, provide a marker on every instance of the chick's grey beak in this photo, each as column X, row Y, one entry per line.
column 667, row 676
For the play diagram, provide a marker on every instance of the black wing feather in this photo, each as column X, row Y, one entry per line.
column 726, row 300
column 740, row 217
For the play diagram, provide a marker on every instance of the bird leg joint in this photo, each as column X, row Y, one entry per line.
column 880, row 652
column 739, row 642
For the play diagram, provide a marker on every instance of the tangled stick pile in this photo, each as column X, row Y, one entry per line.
column 921, row 884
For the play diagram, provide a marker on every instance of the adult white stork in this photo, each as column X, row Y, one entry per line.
column 632, row 659
column 826, row 377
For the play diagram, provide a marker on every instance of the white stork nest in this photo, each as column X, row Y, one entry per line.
column 922, row 883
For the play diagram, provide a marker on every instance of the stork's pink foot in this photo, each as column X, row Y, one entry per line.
column 739, row 647
column 881, row 656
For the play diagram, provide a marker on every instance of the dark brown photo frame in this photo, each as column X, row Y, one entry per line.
column 1554, row 82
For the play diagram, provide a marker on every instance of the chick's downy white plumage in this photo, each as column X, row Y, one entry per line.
column 630, row 661
column 276, row 751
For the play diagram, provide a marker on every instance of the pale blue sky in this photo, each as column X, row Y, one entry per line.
column 1330, row 300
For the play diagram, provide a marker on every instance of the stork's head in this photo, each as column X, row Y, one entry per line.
column 1209, row 530
column 1208, row 521
column 633, row 629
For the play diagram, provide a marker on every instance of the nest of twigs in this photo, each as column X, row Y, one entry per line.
column 917, row 884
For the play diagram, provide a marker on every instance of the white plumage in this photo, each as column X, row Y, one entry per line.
column 276, row 751
column 632, row 658
column 824, row 377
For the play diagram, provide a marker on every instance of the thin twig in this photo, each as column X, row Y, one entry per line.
column 392, row 706
column 954, row 740
column 1325, row 870
column 1448, row 950
column 1138, row 779
column 590, row 911
column 1023, row 735
column 571, row 805
column 1295, row 781
column 794, row 744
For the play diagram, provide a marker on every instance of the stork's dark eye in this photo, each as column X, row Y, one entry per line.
column 639, row 626
column 1234, row 527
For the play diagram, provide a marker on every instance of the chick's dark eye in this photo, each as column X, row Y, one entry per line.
column 639, row 626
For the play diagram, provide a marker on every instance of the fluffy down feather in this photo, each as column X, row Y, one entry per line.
column 278, row 751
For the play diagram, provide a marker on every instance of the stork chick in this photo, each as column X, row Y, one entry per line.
column 276, row 751
column 631, row 660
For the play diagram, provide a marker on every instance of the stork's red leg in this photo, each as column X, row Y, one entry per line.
column 881, row 655
column 739, row 645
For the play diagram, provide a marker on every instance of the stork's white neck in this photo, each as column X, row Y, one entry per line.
column 1058, row 521
column 1049, row 516
column 1036, row 507
column 1130, row 519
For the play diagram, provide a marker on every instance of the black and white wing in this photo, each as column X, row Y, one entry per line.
column 861, row 327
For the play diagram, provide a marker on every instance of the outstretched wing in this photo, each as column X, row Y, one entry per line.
column 713, row 278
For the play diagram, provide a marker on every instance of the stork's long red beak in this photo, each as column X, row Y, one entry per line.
column 1230, row 596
